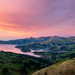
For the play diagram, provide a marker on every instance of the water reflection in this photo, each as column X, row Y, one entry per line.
column 11, row 48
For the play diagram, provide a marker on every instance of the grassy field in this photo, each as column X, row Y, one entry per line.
column 17, row 64
column 61, row 68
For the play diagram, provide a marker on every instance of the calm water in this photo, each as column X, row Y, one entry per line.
column 11, row 48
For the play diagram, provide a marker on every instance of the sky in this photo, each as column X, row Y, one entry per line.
column 36, row 18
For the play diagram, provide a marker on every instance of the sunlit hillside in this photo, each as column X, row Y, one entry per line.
column 61, row 68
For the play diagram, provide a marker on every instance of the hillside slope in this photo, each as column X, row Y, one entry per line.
column 61, row 68
column 18, row 64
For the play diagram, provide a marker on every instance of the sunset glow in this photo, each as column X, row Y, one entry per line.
column 36, row 18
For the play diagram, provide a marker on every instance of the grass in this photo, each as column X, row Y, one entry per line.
column 61, row 68
column 18, row 64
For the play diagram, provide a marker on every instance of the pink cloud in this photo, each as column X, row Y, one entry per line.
column 37, row 17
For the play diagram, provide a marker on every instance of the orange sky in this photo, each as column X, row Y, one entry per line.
column 36, row 18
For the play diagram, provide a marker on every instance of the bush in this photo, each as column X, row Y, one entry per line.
column 5, row 71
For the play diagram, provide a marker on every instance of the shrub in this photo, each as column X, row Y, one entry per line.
column 5, row 71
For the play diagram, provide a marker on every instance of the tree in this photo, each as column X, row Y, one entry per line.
column 45, row 73
column 63, row 48
column 5, row 71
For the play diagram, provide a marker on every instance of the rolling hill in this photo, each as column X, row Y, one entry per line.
column 62, row 68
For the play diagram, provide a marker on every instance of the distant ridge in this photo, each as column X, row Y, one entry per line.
column 31, row 39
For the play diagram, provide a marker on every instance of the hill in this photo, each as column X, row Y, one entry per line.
column 53, row 44
column 18, row 64
column 26, row 40
column 61, row 68
column 31, row 39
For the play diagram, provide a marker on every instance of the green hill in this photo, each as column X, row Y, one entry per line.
column 61, row 68
column 18, row 64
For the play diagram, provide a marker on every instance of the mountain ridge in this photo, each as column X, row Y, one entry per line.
column 32, row 39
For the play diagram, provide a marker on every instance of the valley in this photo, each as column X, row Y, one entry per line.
column 31, row 58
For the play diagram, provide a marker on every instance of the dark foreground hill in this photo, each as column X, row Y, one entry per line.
column 61, row 68
column 17, row 64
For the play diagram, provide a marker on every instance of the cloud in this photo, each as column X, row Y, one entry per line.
column 37, row 17
column 14, row 27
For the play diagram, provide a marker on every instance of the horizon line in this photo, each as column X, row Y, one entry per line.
column 37, row 37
